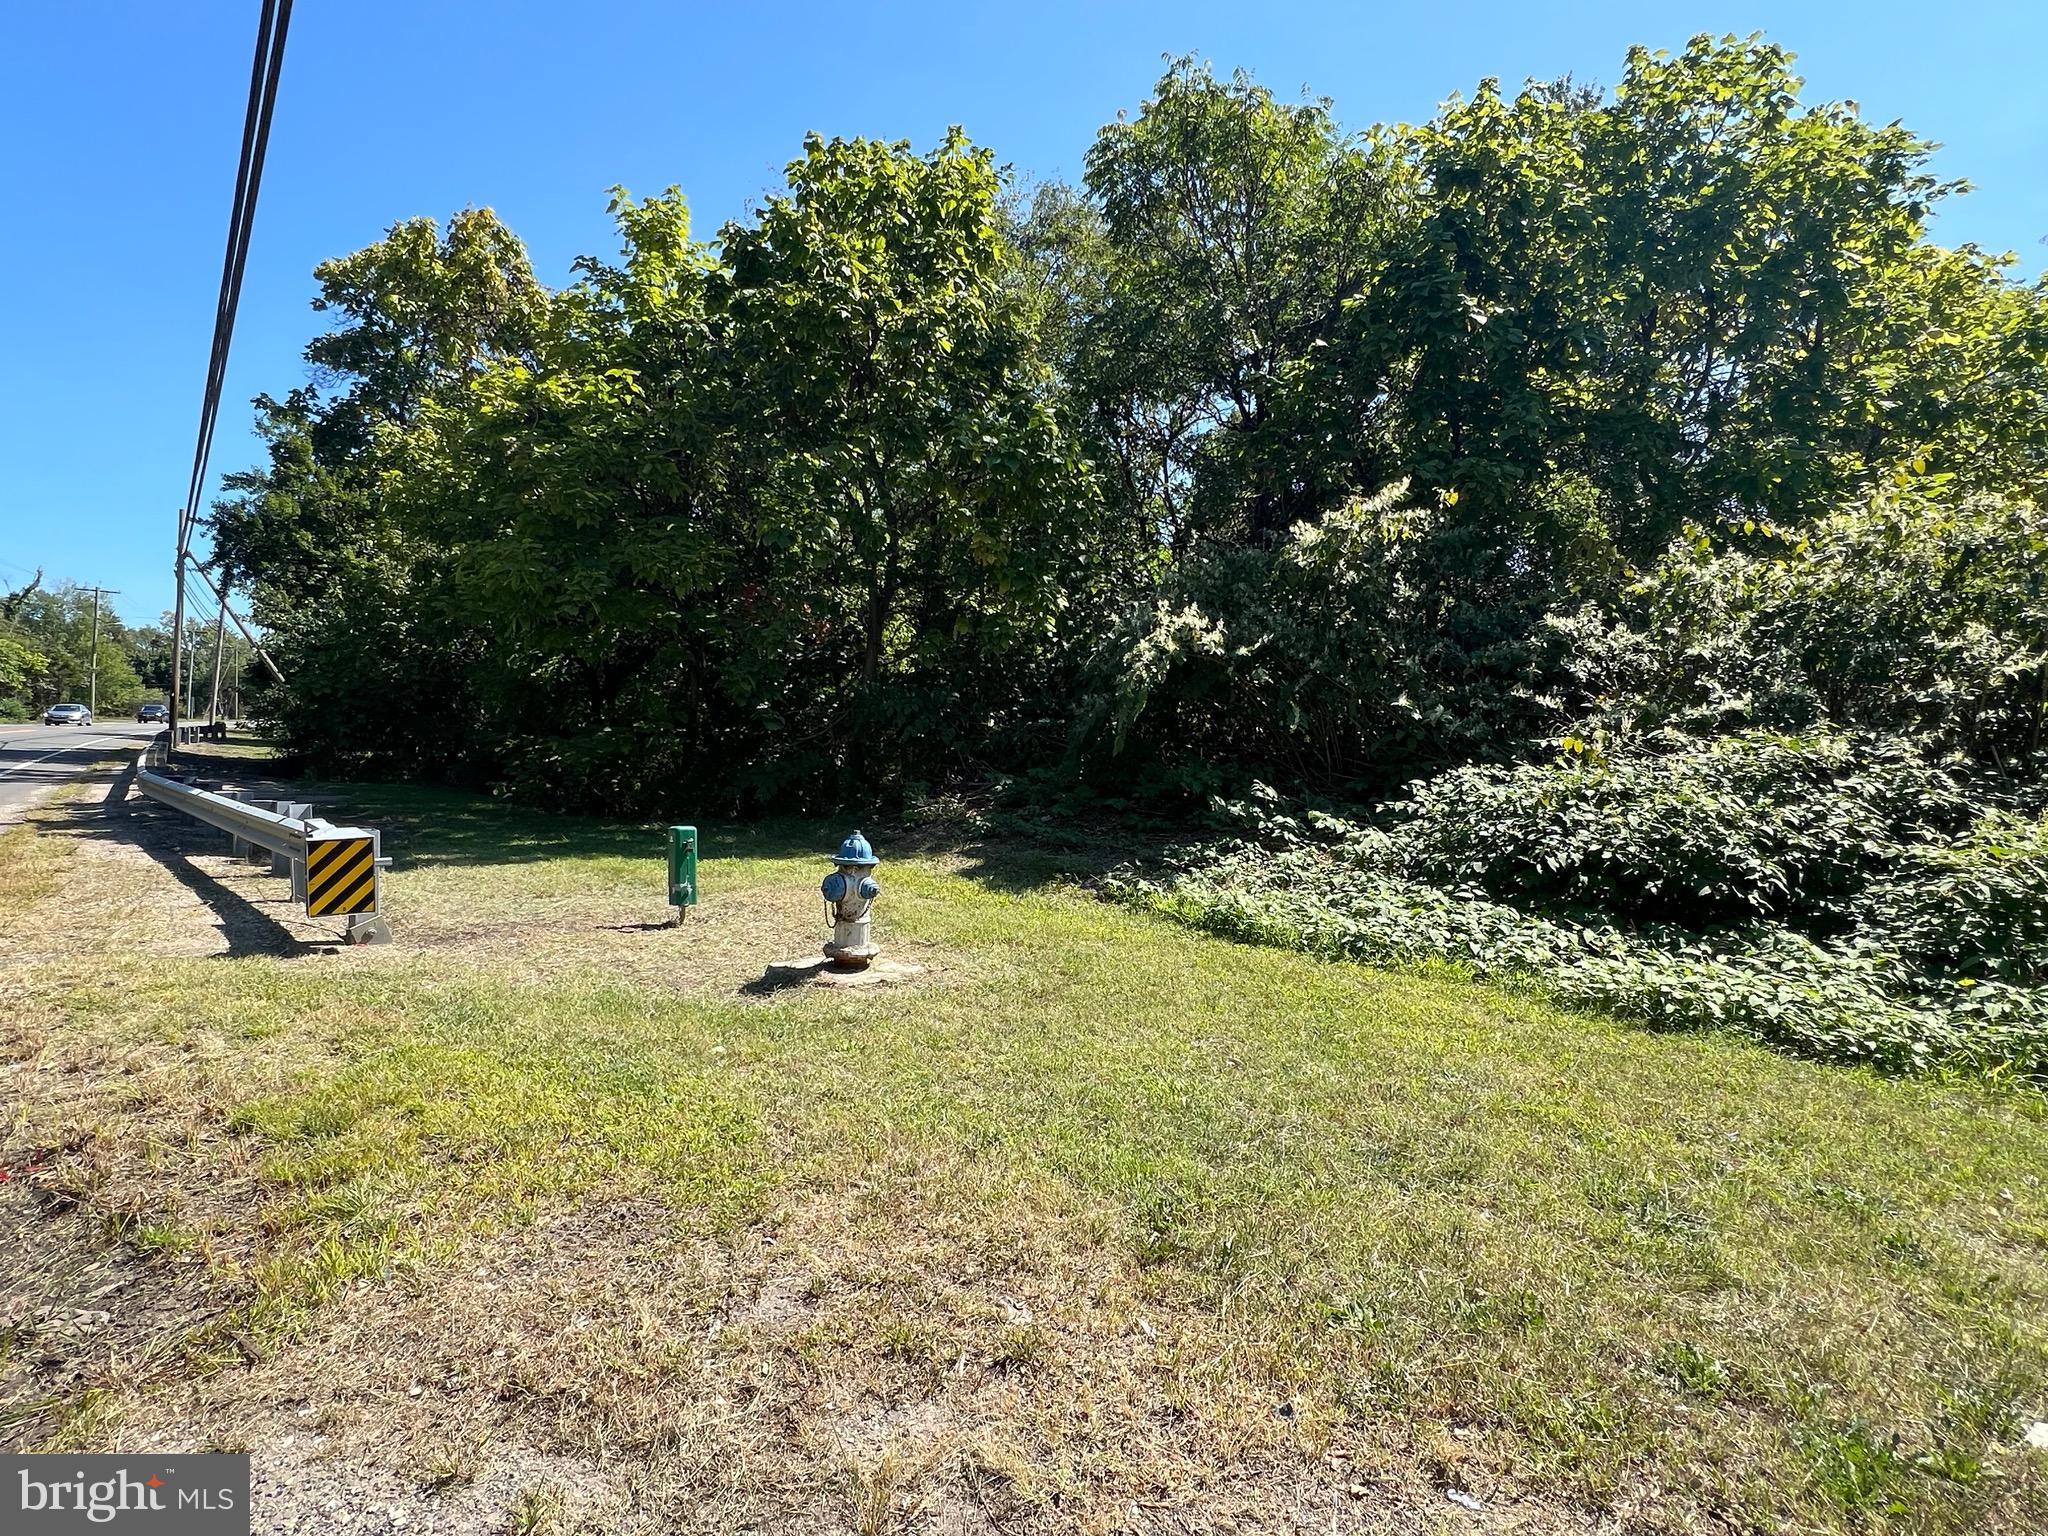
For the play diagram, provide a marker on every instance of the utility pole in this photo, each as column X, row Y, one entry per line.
column 177, row 641
column 93, row 691
column 220, row 627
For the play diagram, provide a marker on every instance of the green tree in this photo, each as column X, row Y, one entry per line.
column 903, row 432
column 1237, row 231
column 579, row 491
column 1673, row 296
column 422, row 310
column 898, row 472
column 20, row 665
column 732, row 518
column 49, row 650
column 357, row 599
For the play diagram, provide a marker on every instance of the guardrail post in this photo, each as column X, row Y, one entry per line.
column 368, row 930
column 282, row 864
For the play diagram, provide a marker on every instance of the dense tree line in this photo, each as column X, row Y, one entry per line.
column 1272, row 450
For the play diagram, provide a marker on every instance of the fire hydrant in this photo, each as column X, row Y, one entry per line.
column 850, row 892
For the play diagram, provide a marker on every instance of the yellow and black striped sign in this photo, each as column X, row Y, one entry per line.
column 341, row 876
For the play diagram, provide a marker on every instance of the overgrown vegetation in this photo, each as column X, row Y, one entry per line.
column 1812, row 893
column 1644, row 426
column 1800, row 797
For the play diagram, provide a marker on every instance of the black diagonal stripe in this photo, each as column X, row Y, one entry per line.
column 338, row 876
column 360, row 897
column 339, row 869
column 320, row 853
column 323, row 853
column 336, row 899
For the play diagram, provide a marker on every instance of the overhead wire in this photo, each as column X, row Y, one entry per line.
column 264, row 69
column 220, row 594
column 196, row 607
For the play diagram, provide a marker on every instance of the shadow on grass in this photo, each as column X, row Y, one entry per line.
column 427, row 827
column 1022, row 864
column 1015, row 853
column 768, row 983
column 172, row 840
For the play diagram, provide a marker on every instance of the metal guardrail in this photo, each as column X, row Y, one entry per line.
column 335, row 871
column 215, row 731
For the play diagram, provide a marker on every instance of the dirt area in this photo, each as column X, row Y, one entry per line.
column 170, row 889
column 602, row 1371
column 609, row 1369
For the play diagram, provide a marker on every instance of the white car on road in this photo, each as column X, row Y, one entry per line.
column 67, row 714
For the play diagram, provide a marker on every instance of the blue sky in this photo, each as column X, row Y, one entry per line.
column 119, row 125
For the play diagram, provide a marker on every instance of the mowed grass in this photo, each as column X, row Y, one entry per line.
column 1510, row 1246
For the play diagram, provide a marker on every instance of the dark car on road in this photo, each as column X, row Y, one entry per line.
column 67, row 714
column 153, row 714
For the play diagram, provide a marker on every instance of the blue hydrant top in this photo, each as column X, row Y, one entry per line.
column 857, row 851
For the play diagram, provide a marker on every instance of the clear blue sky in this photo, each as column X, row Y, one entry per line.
column 119, row 126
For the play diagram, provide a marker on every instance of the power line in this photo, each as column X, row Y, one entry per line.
column 197, row 608
column 262, row 655
column 264, row 69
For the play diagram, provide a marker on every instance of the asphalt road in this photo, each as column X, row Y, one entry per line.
column 35, row 759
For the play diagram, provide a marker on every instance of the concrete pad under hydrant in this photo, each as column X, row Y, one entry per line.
column 820, row 971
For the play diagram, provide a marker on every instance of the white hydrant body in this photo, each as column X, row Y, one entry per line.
column 850, row 892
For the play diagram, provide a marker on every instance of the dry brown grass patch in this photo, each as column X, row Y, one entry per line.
column 767, row 1380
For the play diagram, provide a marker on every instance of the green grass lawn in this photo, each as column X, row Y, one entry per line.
column 1407, row 1221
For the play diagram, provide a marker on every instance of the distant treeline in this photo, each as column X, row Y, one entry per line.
column 46, row 652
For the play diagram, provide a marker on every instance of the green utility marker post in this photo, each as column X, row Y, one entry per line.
column 682, row 870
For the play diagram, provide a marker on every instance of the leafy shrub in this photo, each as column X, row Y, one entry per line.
column 1338, row 890
column 1747, row 826
column 1916, row 611
column 1978, row 906
column 1334, row 656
